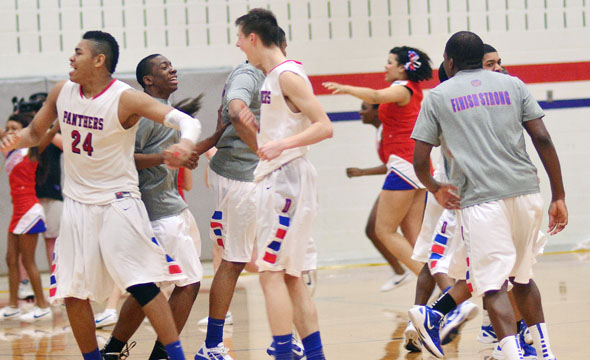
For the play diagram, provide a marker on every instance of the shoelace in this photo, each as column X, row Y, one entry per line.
column 125, row 352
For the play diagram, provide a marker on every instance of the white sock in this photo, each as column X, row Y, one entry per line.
column 541, row 341
column 510, row 348
column 485, row 321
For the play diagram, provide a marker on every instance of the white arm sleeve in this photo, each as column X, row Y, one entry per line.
column 190, row 128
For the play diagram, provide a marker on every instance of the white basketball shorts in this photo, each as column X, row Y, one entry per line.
column 287, row 205
column 500, row 238
column 233, row 223
column 100, row 246
column 179, row 236
column 53, row 209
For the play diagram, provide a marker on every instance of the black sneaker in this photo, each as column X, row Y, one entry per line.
column 124, row 354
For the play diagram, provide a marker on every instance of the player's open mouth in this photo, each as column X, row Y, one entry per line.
column 174, row 80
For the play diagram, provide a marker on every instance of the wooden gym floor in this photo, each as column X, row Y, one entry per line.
column 356, row 320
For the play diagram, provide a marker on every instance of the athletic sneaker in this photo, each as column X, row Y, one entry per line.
column 9, row 312
column 456, row 319
column 124, row 354
column 25, row 290
column 106, row 318
column 487, row 335
column 219, row 352
column 524, row 332
column 37, row 314
column 411, row 339
column 229, row 320
column 528, row 352
column 395, row 281
column 296, row 348
column 428, row 322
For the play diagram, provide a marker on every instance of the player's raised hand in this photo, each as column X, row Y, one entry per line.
column 335, row 87
column 270, row 150
column 9, row 141
column 447, row 197
column 557, row 216
column 177, row 154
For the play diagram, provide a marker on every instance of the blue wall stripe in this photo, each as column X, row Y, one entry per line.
column 565, row 104
column 546, row 105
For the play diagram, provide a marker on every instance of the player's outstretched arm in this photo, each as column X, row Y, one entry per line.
column 135, row 104
column 377, row 170
column 558, row 216
column 301, row 95
column 32, row 134
column 393, row 94
column 206, row 144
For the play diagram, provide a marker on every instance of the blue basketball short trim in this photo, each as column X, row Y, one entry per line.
column 394, row 182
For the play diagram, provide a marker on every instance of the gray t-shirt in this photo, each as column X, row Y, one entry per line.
column 234, row 159
column 158, row 185
column 477, row 116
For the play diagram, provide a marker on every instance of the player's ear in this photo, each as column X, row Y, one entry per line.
column 148, row 80
column 100, row 60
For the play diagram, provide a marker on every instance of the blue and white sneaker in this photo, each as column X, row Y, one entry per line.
column 456, row 319
column 219, row 352
column 9, row 312
column 524, row 332
column 428, row 322
column 106, row 318
column 37, row 314
column 296, row 349
column 528, row 352
column 412, row 339
column 487, row 335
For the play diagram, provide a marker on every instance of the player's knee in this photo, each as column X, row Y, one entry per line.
column 144, row 293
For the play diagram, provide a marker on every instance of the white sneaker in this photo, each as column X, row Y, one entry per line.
column 37, row 314
column 412, row 339
column 456, row 319
column 219, row 352
column 395, row 281
column 9, row 312
column 229, row 320
column 25, row 290
column 106, row 318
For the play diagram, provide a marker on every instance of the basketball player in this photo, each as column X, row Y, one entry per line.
column 480, row 116
column 233, row 223
column 106, row 238
column 291, row 118
column 172, row 222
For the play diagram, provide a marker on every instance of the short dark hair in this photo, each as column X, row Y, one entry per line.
column 466, row 49
column 282, row 38
column 22, row 118
column 104, row 43
column 487, row 48
column 263, row 23
column 415, row 61
column 144, row 68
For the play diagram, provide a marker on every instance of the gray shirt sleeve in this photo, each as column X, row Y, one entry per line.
column 243, row 87
column 427, row 128
column 531, row 109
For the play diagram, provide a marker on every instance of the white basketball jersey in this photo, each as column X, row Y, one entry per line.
column 98, row 151
column 277, row 121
